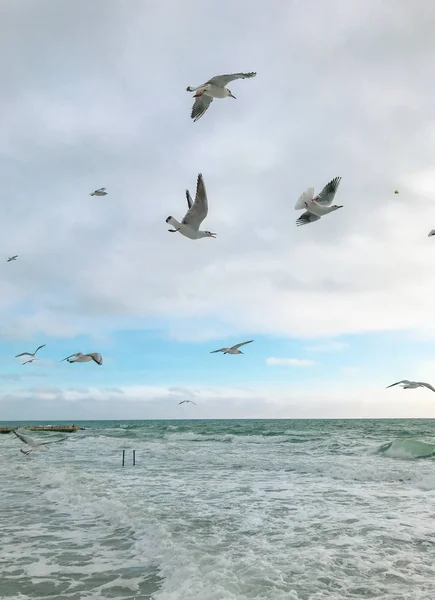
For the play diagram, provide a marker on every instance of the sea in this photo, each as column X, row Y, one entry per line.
column 221, row 510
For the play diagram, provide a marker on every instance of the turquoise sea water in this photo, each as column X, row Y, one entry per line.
column 222, row 510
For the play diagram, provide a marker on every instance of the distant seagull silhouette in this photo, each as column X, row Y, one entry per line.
column 396, row 191
column 431, row 233
column 80, row 357
column 410, row 385
column 29, row 353
column 197, row 212
column 29, row 361
column 319, row 205
column 233, row 349
column 213, row 88
column 12, row 258
column 32, row 444
column 100, row 192
column 191, row 402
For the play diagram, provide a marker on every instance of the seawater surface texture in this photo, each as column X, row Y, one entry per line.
column 222, row 510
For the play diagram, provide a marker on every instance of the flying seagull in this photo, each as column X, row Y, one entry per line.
column 29, row 353
column 191, row 402
column 12, row 258
column 410, row 385
column 100, row 192
column 319, row 205
column 80, row 357
column 213, row 88
column 197, row 212
column 31, row 444
column 431, row 233
column 233, row 350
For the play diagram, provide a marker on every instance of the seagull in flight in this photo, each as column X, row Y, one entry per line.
column 213, row 88
column 196, row 213
column 191, row 402
column 319, row 205
column 410, row 385
column 31, row 444
column 29, row 353
column 80, row 357
column 431, row 233
column 100, row 192
column 233, row 350
column 12, row 258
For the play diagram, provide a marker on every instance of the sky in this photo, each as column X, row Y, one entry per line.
column 94, row 94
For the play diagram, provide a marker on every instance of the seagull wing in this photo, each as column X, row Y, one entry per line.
column 96, row 357
column 25, row 439
column 39, row 348
column 237, row 346
column 199, row 209
column 28, row 361
column 428, row 385
column 327, row 195
column 189, row 199
column 397, row 383
column 306, row 218
column 52, row 441
column 199, row 107
column 223, row 80
column 24, row 354
column 192, row 402
column 305, row 197
column 220, row 350
column 182, row 402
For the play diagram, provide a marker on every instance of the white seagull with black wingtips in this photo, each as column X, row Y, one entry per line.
column 213, row 88
column 233, row 350
column 197, row 212
column 319, row 205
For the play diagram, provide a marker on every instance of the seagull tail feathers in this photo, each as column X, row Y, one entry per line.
column 305, row 197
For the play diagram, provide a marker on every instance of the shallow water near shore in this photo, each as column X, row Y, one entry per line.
column 221, row 510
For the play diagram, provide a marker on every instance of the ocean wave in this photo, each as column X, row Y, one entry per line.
column 407, row 449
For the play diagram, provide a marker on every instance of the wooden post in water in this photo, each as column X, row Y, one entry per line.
column 134, row 457
column 123, row 457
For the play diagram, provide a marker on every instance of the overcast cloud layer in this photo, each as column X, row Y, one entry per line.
column 93, row 94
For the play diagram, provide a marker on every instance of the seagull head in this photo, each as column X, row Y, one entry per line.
column 210, row 234
column 230, row 94
column 168, row 220
column 336, row 206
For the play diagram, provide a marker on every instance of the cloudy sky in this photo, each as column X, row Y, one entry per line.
column 94, row 94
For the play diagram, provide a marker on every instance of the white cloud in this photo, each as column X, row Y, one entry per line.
column 328, row 347
column 290, row 362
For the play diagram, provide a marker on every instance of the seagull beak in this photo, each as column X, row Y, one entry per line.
column 213, row 235
column 231, row 96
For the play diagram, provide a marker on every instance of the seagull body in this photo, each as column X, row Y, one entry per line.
column 319, row 205
column 410, row 385
column 12, row 258
column 100, row 192
column 80, row 357
column 197, row 212
column 29, row 353
column 189, row 401
column 31, row 444
column 233, row 350
column 213, row 88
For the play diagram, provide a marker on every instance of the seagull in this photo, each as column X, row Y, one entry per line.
column 29, row 361
column 29, row 353
column 195, row 215
column 396, row 191
column 80, row 357
column 191, row 402
column 213, row 88
column 319, row 205
column 431, row 233
column 100, row 192
column 410, row 385
column 12, row 258
column 233, row 350
column 32, row 444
